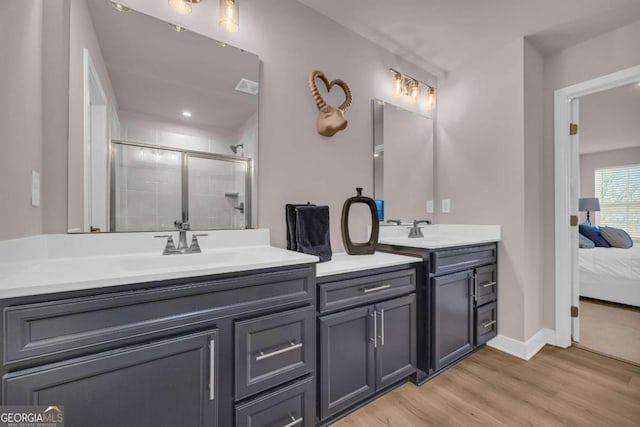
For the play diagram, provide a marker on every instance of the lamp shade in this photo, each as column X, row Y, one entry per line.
column 588, row 204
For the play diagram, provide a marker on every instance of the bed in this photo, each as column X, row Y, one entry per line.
column 611, row 274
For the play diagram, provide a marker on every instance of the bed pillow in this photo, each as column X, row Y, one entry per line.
column 616, row 237
column 592, row 233
column 585, row 242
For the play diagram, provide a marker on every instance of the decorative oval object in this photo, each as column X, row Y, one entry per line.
column 331, row 119
column 366, row 248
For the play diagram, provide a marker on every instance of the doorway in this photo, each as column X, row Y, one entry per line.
column 567, row 194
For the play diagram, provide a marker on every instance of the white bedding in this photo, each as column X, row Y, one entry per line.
column 611, row 274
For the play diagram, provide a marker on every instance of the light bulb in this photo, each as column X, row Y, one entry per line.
column 397, row 88
column 229, row 19
column 430, row 99
column 183, row 7
column 415, row 93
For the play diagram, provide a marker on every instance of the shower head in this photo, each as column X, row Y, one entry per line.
column 234, row 148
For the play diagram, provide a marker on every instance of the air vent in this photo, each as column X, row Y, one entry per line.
column 247, row 86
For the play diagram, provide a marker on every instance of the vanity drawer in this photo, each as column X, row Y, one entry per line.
column 486, row 323
column 88, row 324
column 366, row 289
column 450, row 260
column 487, row 278
column 292, row 405
column 273, row 349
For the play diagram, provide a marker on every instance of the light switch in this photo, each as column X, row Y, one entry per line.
column 429, row 206
column 446, row 205
column 35, row 189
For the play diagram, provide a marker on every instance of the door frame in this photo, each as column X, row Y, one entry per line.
column 564, row 173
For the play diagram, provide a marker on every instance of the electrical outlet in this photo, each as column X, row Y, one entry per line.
column 446, row 205
column 429, row 206
column 35, row 189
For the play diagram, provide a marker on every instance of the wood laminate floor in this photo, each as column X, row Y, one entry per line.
column 557, row 387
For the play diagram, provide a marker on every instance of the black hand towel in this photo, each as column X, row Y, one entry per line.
column 312, row 228
column 290, row 218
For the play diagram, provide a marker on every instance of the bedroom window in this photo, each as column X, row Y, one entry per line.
column 618, row 189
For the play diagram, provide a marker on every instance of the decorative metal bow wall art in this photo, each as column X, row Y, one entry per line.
column 330, row 119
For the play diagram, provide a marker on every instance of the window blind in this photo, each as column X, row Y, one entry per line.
column 618, row 189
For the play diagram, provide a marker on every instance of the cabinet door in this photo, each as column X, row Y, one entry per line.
column 167, row 383
column 452, row 317
column 396, row 345
column 347, row 374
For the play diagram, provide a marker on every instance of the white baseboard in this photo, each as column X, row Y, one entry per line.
column 524, row 350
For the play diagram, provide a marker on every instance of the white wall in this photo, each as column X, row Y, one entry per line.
column 21, row 96
column 480, row 157
column 534, row 194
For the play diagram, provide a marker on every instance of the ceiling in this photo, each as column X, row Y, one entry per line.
column 441, row 35
column 159, row 72
column 609, row 120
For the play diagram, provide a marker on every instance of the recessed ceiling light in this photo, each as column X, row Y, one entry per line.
column 187, row 113
column 247, row 86
column 119, row 7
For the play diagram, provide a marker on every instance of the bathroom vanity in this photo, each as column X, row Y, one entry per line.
column 457, row 290
column 241, row 334
column 193, row 350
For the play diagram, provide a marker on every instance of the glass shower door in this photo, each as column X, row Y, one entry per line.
column 217, row 193
column 146, row 188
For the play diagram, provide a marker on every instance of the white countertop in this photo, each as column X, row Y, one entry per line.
column 344, row 263
column 60, row 263
column 439, row 236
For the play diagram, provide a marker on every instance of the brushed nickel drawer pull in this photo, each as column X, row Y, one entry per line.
column 376, row 289
column 291, row 347
column 294, row 421
column 488, row 285
column 212, row 369
column 382, row 326
column 488, row 323
column 375, row 329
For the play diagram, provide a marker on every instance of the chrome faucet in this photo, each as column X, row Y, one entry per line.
column 394, row 221
column 183, row 248
column 415, row 231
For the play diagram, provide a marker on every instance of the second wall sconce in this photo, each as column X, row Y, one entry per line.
column 405, row 85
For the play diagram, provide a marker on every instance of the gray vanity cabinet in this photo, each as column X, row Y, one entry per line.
column 452, row 317
column 365, row 349
column 182, row 352
column 457, row 293
column 169, row 382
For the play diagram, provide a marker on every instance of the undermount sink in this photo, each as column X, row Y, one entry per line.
column 183, row 260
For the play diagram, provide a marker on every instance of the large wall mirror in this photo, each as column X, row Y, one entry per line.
column 403, row 161
column 163, row 125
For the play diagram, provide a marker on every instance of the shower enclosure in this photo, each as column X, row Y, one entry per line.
column 153, row 186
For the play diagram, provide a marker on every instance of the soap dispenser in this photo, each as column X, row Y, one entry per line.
column 366, row 248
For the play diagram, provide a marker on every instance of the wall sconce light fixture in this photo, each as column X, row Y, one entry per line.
column 229, row 12
column 405, row 85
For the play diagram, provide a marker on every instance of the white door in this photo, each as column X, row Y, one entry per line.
column 574, row 194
